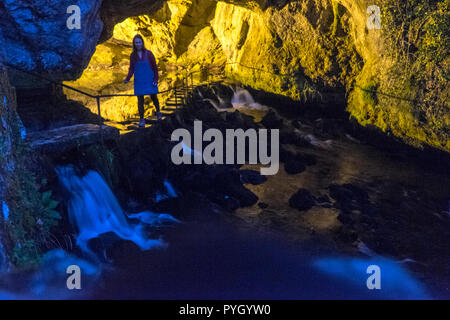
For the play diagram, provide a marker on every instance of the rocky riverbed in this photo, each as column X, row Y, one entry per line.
column 334, row 194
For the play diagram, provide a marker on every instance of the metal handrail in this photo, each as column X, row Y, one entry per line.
column 290, row 76
column 97, row 97
column 185, row 83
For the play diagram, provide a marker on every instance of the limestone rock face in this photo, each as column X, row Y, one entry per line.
column 59, row 140
column 295, row 48
column 10, row 133
column 35, row 36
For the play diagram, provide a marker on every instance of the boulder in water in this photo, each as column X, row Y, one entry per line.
column 302, row 200
column 252, row 176
column 294, row 166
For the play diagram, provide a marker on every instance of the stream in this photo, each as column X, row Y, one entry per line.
column 399, row 223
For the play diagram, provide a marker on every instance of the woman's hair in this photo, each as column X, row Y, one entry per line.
column 137, row 36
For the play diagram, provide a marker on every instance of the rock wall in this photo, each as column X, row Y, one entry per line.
column 34, row 36
column 26, row 208
column 9, row 134
column 294, row 48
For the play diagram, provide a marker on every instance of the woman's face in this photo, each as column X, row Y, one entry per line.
column 138, row 44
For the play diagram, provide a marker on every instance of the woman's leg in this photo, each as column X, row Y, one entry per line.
column 141, row 106
column 155, row 101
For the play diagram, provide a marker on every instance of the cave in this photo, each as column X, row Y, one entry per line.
column 355, row 115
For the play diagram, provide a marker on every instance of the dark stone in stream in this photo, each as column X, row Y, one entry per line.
column 239, row 120
column 286, row 154
column 252, row 176
column 309, row 159
column 297, row 123
column 227, row 202
column 225, row 93
column 323, row 199
column 272, row 121
column 288, row 136
column 349, row 197
column 329, row 128
column 346, row 235
column 345, row 219
column 295, row 162
column 231, row 185
column 190, row 206
column 302, row 200
column 263, row 205
column 294, row 166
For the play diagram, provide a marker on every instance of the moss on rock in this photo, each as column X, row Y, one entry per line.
column 30, row 212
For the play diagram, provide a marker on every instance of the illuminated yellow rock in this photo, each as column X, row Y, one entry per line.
column 296, row 49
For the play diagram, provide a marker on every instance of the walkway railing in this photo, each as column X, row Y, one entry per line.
column 185, row 87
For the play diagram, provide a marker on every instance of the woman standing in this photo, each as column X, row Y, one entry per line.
column 143, row 66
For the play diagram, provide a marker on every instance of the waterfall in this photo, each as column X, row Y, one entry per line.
column 243, row 98
column 169, row 192
column 214, row 104
column 94, row 210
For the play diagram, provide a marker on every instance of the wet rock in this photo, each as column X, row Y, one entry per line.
column 35, row 36
column 263, row 205
column 323, row 199
column 349, row 197
column 294, row 166
column 231, row 185
column 346, row 235
column 302, row 200
column 227, row 202
column 345, row 219
column 64, row 138
column 239, row 120
column 252, row 176
column 286, row 154
column 308, row 159
column 295, row 162
column 328, row 128
column 272, row 120
column 197, row 180
column 295, row 137
column 225, row 94
column 297, row 124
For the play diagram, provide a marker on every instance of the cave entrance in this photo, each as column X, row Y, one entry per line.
column 180, row 36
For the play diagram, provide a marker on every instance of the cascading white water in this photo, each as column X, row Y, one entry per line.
column 94, row 210
column 214, row 104
column 243, row 98
column 170, row 191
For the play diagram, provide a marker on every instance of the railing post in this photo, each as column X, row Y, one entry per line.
column 186, row 88
column 176, row 98
column 99, row 118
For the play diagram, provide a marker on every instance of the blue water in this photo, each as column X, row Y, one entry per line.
column 94, row 210
column 395, row 281
column 210, row 261
column 169, row 192
column 205, row 260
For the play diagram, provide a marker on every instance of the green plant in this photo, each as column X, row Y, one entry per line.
column 32, row 215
